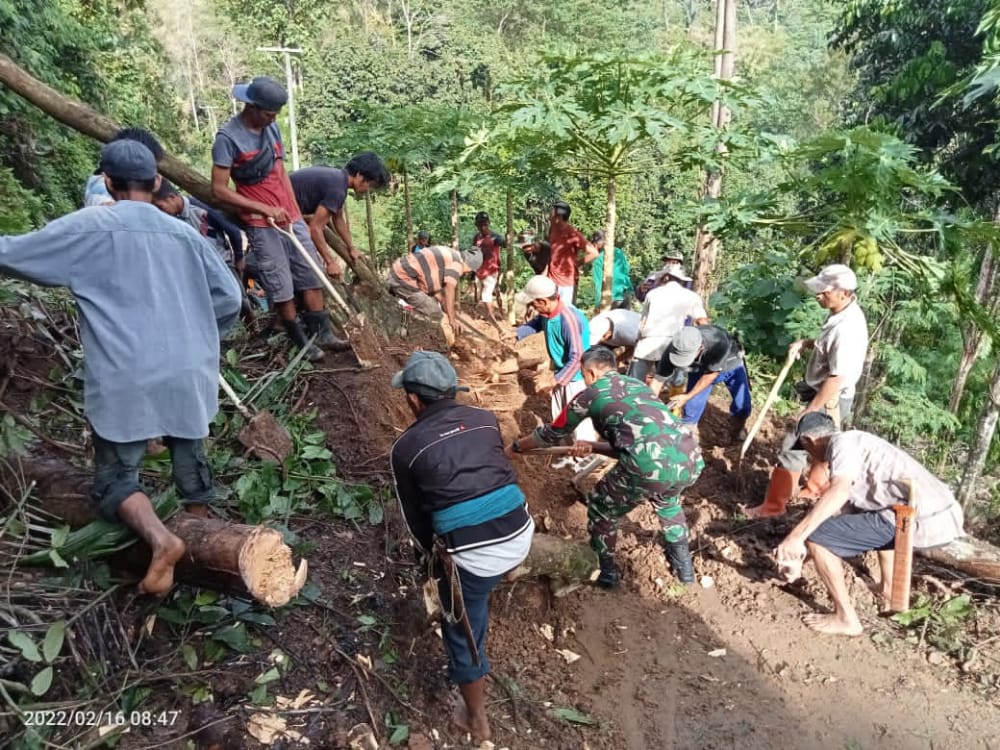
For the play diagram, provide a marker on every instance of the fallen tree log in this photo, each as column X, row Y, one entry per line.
column 971, row 556
column 567, row 562
column 245, row 559
column 80, row 117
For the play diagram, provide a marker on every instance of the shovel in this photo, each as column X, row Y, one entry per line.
column 262, row 435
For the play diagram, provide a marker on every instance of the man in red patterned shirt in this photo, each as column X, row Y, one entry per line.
column 570, row 250
column 248, row 151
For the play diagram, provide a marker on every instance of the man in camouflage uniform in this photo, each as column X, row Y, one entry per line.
column 656, row 460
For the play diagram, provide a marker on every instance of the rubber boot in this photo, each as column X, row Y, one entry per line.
column 298, row 337
column 817, row 480
column 317, row 323
column 779, row 491
column 737, row 430
column 608, row 579
column 679, row 558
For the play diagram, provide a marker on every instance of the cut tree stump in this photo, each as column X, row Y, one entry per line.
column 245, row 559
column 567, row 563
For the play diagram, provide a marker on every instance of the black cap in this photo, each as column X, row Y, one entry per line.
column 562, row 208
column 262, row 91
column 481, row 217
column 127, row 160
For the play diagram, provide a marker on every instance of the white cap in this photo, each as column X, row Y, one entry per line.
column 538, row 287
column 599, row 326
column 676, row 271
column 837, row 276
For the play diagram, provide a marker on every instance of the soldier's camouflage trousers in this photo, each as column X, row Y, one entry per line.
column 634, row 480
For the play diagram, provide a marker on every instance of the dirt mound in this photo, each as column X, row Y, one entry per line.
column 723, row 665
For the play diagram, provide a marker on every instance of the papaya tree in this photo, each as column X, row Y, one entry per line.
column 505, row 165
column 608, row 116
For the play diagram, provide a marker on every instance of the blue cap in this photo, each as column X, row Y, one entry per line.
column 127, row 160
column 264, row 92
column 428, row 374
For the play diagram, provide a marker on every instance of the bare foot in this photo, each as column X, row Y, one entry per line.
column 160, row 574
column 833, row 624
column 478, row 727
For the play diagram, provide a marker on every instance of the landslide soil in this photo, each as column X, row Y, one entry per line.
column 727, row 664
column 724, row 664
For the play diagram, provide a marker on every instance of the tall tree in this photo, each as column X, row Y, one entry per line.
column 600, row 115
column 706, row 244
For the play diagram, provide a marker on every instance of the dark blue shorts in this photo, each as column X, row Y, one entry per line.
column 852, row 534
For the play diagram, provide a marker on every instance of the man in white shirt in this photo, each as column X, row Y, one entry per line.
column 664, row 313
column 854, row 514
column 834, row 368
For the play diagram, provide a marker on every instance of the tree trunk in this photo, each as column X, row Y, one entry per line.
column 246, row 559
column 972, row 334
column 972, row 556
column 981, row 442
column 409, row 209
column 82, row 118
column 706, row 244
column 454, row 219
column 611, row 219
column 370, row 220
column 511, row 259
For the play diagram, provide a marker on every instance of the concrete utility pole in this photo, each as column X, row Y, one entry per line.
column 293, row 132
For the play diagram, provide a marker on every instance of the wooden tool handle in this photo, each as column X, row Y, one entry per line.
column 789, row 361
column 902, row 560
column 228, row 389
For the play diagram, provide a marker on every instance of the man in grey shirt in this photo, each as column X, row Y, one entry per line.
column 867, row 477
column 153, row 298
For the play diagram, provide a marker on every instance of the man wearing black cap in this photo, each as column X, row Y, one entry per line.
column 488, row 274
column 95, row 192
column 537, row 252
column 461, row 502
column 322, row 191
column 131, row 269
column 699, row 357
column 248, row 150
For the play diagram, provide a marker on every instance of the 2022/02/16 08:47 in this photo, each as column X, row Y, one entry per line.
column 62, row 718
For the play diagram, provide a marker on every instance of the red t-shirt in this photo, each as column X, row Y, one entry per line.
column 236, row 146
column 489, row 244
column 567, row 242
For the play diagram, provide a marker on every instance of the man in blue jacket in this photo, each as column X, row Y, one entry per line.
column 461, row 502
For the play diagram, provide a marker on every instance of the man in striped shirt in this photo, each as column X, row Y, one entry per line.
column 428, row 281
column 567, row 335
